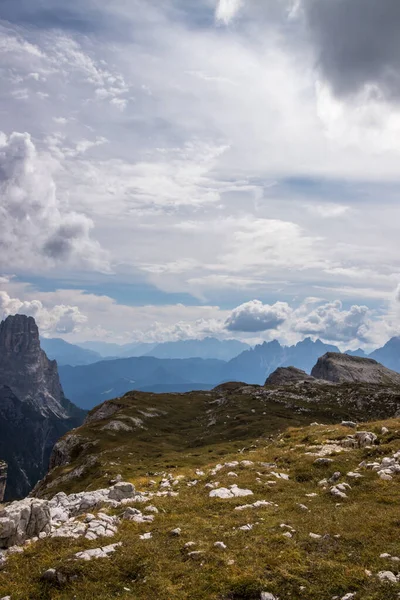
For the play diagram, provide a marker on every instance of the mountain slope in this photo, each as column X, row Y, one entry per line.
column 68, row 354
column 34, row 412
column 174, row 429
column 389, row 354
column 229, row 503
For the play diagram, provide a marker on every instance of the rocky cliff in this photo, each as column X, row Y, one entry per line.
column 34, row 412
column 25, row 368
column 342, row 368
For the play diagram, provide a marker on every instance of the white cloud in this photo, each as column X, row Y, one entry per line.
column 230, row 170
column 327, row 211
column 254, row 316
column 60, row 319
column 227, row 10
column 331, row 322
column 36, row 228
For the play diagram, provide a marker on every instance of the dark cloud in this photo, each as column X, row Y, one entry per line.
column 358, row 44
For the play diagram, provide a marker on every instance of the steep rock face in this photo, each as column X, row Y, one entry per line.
column 287, row 376
column 34, row 412
column 3, row 479
column 25, row 368
column 342, row 368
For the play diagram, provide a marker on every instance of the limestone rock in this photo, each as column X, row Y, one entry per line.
column 342, row 368
column 387, row 576
column 22, row 520
column 103, row 552
column 288, row 376
column 232, row 492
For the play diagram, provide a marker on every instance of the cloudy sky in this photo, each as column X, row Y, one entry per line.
column 183, row 168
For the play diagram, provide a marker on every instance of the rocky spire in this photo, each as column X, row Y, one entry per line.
column 25, row 368
column 33, row 410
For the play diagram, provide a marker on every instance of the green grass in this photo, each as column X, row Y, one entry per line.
column 262, row 559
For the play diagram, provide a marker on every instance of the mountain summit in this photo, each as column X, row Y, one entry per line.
column 341, row 368
column 34, row 412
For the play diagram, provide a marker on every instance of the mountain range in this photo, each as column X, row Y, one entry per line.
column 88, row 385
column 90, row 352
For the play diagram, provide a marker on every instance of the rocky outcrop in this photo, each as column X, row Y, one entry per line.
column 34, row 412
column 342, row 368
column 3, row 479
column 288, row 376
column 65, row 448
column 33, row 518
column 23, row 520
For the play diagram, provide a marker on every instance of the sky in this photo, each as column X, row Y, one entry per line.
column 185, row 168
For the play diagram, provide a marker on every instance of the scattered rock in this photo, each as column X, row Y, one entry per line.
column 133, row 514
column 258, row 504
column 233, row 492
column 335, row 477
column 247, row 527
column 220, row 545
column 103, row 552
column 387, row 576
column 54, row 576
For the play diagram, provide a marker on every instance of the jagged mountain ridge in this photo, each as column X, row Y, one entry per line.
column 34, row 412
column 89, row 385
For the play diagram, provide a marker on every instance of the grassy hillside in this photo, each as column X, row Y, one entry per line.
column 271, row 431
